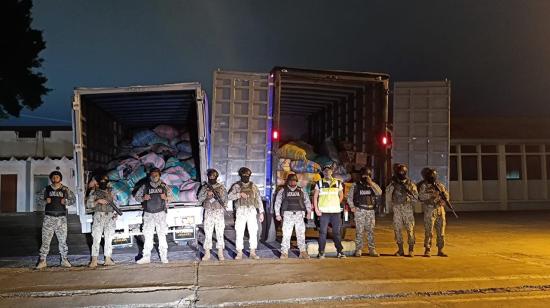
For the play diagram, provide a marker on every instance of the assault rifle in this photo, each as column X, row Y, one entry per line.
column 407, row 190
column 444, row 197
column 109, row 198
column 217, row 196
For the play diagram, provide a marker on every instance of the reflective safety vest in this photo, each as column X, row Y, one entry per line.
column 329, row 201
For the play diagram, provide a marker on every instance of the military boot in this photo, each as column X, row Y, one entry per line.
column 239, row 255
column 93, row 263
column 164, row 257
column 253, row 254
column 400, row 251
column 220, row 255
column 373, row 253
column 304, row 255
column 411, row 251
column 440, row 253
column 41, row 264
column 284, row 255
column 144, row 260
column 206, row 256
column 358, row 253
column 108, row 261
column 65, row 263
column 427, row 253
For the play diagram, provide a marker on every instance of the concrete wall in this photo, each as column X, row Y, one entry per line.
column 59, row 144
column 26, row 171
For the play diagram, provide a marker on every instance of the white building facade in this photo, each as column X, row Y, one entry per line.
column 27, row 156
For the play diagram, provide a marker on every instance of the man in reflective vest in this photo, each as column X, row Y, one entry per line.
column 154, row 197
column 434, row 210
column 327, row 197
column 362, row 202
column 291, row 204
column 401, row 194
column 250, row 209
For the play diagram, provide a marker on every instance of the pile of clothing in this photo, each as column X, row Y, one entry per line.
column 164, row 147
column 299, row 157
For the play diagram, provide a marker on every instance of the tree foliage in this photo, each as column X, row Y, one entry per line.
column 21, row 85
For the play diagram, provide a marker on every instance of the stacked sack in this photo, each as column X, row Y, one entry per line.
column 293, row 158
column 165, row 148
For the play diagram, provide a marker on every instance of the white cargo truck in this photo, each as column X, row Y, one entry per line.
column 103, row 117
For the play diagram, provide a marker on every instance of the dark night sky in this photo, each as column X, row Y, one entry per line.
column 496, row 53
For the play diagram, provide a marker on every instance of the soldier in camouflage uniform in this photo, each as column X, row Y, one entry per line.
column 400, row 195
column 213, row 213
column 248, row 204
column 362, row 202
column 293, row 204
column 154, row 197
column 434, row 210
column 55, row 198
column 101, row 201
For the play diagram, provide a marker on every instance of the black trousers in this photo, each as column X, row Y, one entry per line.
column 336, row 221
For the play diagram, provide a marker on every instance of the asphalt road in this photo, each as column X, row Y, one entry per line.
column 497, row 259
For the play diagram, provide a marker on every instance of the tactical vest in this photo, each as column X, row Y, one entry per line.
column 293, row 200
column 249, row 190
column 155, row 204
column 329, row 200
column 105, row 195
column 363, row 196
column 400, row 195
column 214, row 204
column 55, row 208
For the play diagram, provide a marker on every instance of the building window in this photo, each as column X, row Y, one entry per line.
column 46, row 133
column 489, row 167
column 532, row 148
column 453, row 149
column 488, row 149
column 468, row 149
column 469, row 168
column 513, row 148
column 26, row 134
column 453, row 166
column 513, row 167
column 534, row 166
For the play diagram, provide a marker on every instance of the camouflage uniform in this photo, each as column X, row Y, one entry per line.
column 434, row 213
column 55, row 224
column 104, row 223
column 403, row 214
column 152, row 221
column 213, row 215
column 246, row 213
column 292, row 219
column 364, row 218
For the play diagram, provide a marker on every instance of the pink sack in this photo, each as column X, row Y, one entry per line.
column 184, row 176
column 152, row 160
column 166, row 131
column 174, row 179
column 188, row 191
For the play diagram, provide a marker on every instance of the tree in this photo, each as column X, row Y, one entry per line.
column 21, row 85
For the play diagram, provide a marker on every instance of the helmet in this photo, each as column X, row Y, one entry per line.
column 291, row 177
column 400, row 168
column 429, row 174
column 153, row 170
column 212, row 173
column 244, row 171
column 56, row 173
